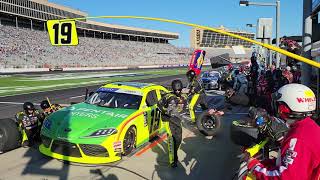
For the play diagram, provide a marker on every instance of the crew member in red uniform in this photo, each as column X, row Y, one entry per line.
column 300, row 157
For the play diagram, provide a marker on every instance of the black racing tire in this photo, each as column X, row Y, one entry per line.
column 129, row 141
column 10, row 137
column 208, row 125
column 243, row 134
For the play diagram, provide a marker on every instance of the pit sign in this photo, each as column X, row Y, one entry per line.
column 62, row 33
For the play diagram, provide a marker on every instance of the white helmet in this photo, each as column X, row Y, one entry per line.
column 288, row 68
column 299, row 98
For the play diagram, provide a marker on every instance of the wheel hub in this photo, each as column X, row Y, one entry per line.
column 129, row 141
column 209, row 124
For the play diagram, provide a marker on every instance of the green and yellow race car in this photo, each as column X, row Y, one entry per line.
column 112, row 122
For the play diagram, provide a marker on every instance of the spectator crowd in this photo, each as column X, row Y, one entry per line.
column 20, row 48
column 254, row 84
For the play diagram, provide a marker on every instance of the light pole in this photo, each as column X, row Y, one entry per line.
column 277, row 5
column 261, row 50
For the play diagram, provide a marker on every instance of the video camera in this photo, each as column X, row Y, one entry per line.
column 269, row 126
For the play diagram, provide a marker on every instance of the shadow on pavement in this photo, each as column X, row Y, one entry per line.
column 201, row 157
column 37, row 162
column 36, row 165
column 100, row 172
column 103, row 177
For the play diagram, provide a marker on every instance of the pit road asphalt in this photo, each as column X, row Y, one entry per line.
column 200, row 157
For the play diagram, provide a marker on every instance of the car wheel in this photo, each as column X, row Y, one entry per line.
column 129, row 141
column 208, row 125
column 9, row 135
column 244, row 134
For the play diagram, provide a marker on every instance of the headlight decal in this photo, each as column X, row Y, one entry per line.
column 103, row 132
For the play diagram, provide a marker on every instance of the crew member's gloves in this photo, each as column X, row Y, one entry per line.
column 215, row 112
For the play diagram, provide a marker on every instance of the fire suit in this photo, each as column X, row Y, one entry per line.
column 171, row 107
column 54, row 108
column 300, row 157
column 198, row 96
column 29, row 125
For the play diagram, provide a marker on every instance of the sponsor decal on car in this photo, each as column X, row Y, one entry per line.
column 94, row 113
column 102, row 89
column 125, row 91
column 117, row 146
column 134, row 84
column 145, row 122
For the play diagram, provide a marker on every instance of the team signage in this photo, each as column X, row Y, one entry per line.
column 62, row 33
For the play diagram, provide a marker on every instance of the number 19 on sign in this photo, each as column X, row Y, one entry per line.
column 62, row 33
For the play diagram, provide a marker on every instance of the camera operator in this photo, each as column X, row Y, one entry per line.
column 299, row 157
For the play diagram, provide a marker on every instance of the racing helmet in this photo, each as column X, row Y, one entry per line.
column 28, row 106
column 191, row 75
column 44, row 104
column 294, row 101
column 288, row 68
column 176, row 85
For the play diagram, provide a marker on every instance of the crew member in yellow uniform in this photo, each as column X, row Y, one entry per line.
column 49, row 108
column 171, row 106
column 197, row 94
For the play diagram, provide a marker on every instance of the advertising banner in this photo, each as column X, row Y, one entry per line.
column 197, row 60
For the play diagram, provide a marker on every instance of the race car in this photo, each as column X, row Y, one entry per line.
column 112, row 122
column 210, row 80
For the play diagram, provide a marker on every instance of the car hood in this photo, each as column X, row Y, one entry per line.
column 81, row 120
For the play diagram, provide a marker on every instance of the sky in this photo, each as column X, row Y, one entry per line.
column 212, row 13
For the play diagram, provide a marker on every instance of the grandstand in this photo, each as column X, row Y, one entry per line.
column 217, row 44
column 34, row 13
column 24, row 41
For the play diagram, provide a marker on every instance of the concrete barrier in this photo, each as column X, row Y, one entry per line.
column 95, row 68
column 22, row 70
column 26, row 70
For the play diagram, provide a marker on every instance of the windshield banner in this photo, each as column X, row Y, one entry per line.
column 117, row 90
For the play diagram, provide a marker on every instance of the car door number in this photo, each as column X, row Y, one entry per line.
column 155, row 115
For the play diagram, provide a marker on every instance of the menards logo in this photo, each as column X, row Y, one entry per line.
column 305, row 100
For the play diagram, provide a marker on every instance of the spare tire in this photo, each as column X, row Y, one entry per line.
column 9, row 135
column 208, row 125
column 244, row 134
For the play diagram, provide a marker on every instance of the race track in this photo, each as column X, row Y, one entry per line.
column 200, row 157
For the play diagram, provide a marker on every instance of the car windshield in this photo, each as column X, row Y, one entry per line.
column 214, row 74
column 115, row 100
